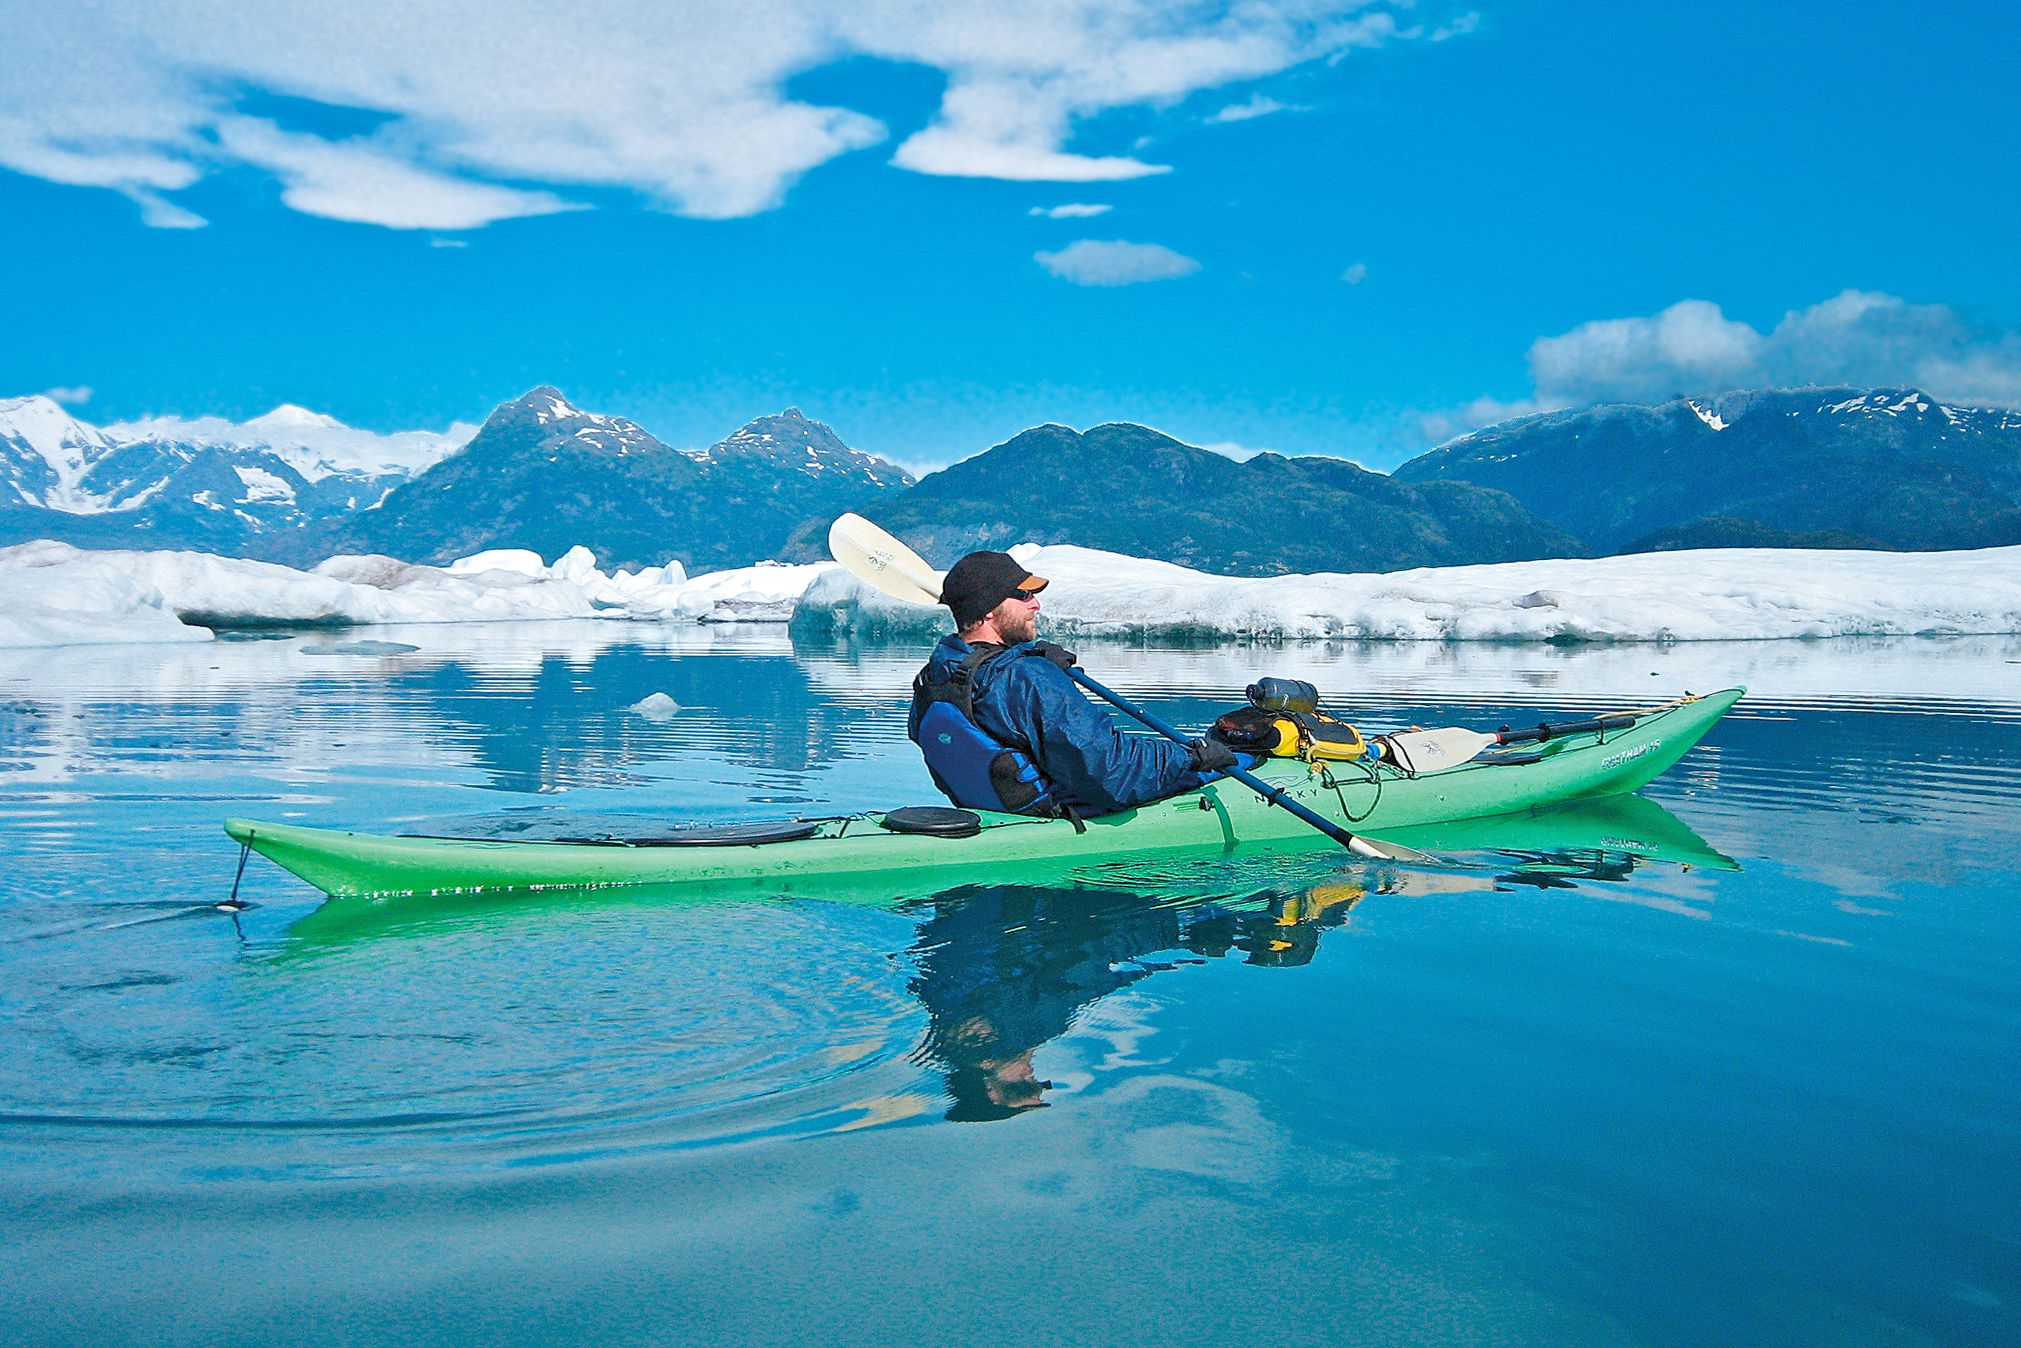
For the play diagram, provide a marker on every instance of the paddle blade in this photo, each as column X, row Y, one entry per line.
column 881, row 561
column 1389, row 851
column 1421, row 751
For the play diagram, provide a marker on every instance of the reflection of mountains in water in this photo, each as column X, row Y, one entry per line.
column 522, row 707
column 570, row 724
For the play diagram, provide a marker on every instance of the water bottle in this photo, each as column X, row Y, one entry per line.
column 1283, row 695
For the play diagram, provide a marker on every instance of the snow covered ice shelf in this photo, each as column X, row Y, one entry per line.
column 52, row 594
column 1710, row 595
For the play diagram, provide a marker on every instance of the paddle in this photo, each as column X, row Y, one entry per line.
column 882, row 562
column 1430, row 750
column 885, row 564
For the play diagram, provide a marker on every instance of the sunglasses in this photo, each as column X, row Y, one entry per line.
column 1029, row 596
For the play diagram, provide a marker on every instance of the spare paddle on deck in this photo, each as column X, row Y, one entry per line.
column 887, row 565
column 1434, row 750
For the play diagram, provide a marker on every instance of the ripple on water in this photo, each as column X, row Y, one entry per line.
column 497, row 1038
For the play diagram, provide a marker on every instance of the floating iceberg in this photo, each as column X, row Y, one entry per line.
column 767, row 592
column 1711, row 595
column 52, row 594
column 83, row 607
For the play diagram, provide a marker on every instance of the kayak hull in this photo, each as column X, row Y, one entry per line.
column 1373, row 800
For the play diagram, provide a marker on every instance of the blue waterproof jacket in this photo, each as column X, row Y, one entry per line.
column 1030, row 704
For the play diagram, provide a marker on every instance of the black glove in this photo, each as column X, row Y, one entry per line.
column 1059, row 655
column 1210, row 755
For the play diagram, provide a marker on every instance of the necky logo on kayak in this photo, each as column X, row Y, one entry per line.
column 1629, row 755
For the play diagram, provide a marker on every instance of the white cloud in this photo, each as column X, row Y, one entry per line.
column 1355, row 274
column 1857, row 338
column 1689, row 345
column 158, row 212
column 359, row 180
column 1441, row 426
column 1114, row 262
column 1258, row 105
column 1072, row 210
column 497, row 110
column 1458, row 27
column 75, row 396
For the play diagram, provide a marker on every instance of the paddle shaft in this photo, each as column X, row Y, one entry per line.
column 1271, row 795
column 1616, row 721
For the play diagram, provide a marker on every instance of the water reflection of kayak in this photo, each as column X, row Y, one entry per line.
column 1289, row 899
column 1381, row 800
column 1629, row 828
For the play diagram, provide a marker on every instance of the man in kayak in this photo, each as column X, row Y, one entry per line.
column 1003, row 727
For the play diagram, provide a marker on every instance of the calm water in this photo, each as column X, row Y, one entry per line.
column 1734, row 1063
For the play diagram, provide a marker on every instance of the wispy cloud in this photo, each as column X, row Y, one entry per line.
column 1072, row 210
column 1258, row 105
column 74, row 395
column 684, row 106
column 1442, row 425
column 1857, row 338
column 1460, row 26
column 1115, row 262
column 1356, row 273
column 373, row 184
column 158, row 212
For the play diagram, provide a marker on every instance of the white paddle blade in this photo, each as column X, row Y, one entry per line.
column 881, row 561
column 1389, row 851
column 1422, row 751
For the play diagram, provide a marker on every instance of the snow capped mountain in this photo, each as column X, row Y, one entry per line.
column 791, row 440
column 45, row 453
column 51, row 460
column 544, row 415
column 297, row 485
column 1803, row 467
column 204, row 482
column 313, row 444
column 542, row 473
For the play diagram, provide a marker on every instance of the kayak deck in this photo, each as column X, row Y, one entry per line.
column 1365, row 798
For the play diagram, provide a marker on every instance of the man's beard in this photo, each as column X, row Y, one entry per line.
column 1017, row 623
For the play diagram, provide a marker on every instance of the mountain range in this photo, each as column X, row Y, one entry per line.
column 1126, row 488
column 1835, row 467
column 540, row 473
column 543, row 474
column 1813, row 467
column 221, row 486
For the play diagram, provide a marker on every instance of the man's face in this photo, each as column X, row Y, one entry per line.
column 1018, row 617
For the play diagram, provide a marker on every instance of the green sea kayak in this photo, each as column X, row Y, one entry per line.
column 1369, row 799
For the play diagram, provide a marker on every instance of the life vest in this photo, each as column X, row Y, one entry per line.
column 972, row 767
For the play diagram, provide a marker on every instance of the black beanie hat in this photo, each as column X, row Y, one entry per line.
column 982, row 580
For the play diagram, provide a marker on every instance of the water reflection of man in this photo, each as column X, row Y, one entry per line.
column 1003, row 970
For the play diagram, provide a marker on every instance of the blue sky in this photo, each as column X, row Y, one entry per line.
column 1348, row 229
